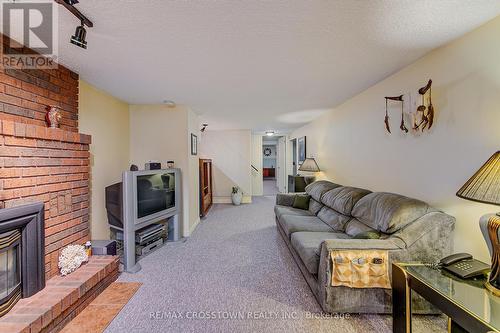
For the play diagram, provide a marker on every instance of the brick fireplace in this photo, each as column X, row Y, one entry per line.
column 40, row 164
column 49, row 166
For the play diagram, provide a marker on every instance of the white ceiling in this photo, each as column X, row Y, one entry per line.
column 258, row 64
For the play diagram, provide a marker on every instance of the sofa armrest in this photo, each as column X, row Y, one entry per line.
column 437, row 223
column 395, row 248
column 285, row 199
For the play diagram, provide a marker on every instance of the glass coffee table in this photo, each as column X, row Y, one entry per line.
column 468, row 304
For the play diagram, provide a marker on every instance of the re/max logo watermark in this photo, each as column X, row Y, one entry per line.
column 32, row 30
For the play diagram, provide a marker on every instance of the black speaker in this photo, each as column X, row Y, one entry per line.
column 153, row 166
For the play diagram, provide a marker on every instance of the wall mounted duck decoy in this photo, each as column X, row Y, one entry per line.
column 386, row 120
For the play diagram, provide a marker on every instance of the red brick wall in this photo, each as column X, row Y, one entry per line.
column 25, row 94
column 43, row 164
column 52, row 166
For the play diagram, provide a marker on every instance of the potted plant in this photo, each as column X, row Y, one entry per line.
column 236, row 196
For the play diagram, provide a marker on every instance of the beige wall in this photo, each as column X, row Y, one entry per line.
column 107, row 120
column 231, row 154
column 351, row 145
column 194, row 171
column 161, row 133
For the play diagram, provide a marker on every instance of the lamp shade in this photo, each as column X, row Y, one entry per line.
column 484, row 186
column 309, row 165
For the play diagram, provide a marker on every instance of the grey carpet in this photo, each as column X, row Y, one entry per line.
column 235, row 263
column 269, row 187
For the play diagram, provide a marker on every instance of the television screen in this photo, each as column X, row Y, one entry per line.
column 114, row 199
column 155, row 193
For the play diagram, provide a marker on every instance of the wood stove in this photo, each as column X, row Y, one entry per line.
column 22, row 240
column 10, row 272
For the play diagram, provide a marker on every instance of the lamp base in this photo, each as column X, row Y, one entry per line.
column 493, row 284
column 492, row 289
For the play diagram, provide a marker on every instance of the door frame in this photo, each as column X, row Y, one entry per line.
column 293, row 157
column 282, row 160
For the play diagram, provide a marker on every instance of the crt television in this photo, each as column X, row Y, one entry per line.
column 143, row 196
column 141, row 199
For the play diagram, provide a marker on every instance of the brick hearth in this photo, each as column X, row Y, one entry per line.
column 62, row 299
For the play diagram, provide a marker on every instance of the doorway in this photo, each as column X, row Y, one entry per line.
column 274, row 164
column 269, row 165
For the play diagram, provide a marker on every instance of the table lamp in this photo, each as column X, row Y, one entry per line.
column 309, row 165
column 484, row 187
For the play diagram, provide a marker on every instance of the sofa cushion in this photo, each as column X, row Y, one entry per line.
column 307, row 245
column 388, row 212
column 285, row 199
column 314, row 206
column 294, row 223
column 282, row 210
column 320, row 187
column 355, row 227
column 301, row 201
column 333, row 218
column 343, row 198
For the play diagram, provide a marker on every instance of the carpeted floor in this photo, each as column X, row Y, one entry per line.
column 235, row 274
column 270, row 187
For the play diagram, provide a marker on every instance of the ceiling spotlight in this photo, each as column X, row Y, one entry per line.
column 79, row 38
column 204, row 127
column 169, row 103
column 71, row 2
column 269, row 133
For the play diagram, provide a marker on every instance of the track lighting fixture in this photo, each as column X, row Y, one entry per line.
column 79, row 38
column 204, row 128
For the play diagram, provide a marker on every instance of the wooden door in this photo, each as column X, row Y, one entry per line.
column 205, row 186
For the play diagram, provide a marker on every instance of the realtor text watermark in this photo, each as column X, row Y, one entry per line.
column 244, row 315
column 32, row 29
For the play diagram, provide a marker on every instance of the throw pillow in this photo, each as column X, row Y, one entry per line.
column 368, row 235
column 301, row 201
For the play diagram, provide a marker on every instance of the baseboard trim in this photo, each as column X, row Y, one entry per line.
column 193, row 227
column 222, row 200
column 227, row 200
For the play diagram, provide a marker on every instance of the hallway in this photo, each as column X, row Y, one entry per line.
column 270, row 187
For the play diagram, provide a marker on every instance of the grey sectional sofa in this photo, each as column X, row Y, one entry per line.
column 410, row 230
